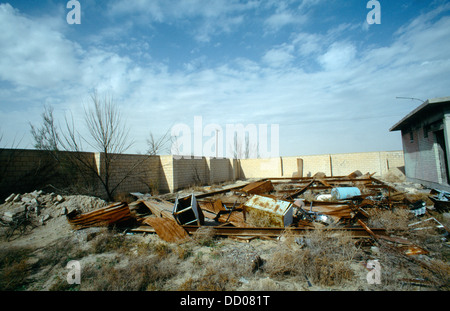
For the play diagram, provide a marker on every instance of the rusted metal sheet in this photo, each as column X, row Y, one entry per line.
column 259, row 187
column 159, row 207
column 111, row 214
column 208, row 194
column 278, row 211
column 277, row 231
column 413, row 250
column 167, row 229
column 367, row 229
column 212, row 206
column 298, row 192
column 236, row 218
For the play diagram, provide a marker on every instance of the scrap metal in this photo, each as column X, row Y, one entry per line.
column 109, row 215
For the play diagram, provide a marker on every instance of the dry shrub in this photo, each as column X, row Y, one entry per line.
column 183, row 252
column 204, row 236
column 141, row 273
column 124, row 197
column 214, row 278
column 324, row 257
column 221, row 270
column 14, row 268
column 109, row 242
column 395, row 220
column 419, row 196
column 161, row 249
column 266, row 284
column 285, row 261
column 440, row 274
column 61, row 252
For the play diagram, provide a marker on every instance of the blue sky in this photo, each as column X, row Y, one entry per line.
column 314, row 67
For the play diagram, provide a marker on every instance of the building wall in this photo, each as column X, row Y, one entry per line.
column 422, row 161
column 221, row 170
column 330, row 164
column 158, row 174
column 23, row 170
column 132, row 173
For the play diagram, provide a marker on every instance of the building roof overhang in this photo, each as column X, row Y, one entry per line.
column 429, row 106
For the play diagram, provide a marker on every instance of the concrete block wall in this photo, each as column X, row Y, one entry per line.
column 421, row 156
column 289, row 166
column 220, row 170
column 19, row 169
column 368, row 162
column 190, row 172
column 133, row 173
column 24, row 170
column 168, row 174
column 166, row 180
column 313, row 164
column 260, row 168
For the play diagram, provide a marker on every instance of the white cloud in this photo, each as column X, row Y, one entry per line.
column 353, row 87
column 308, row 43
column 34, row 54
column 214, row 17
column 279, row 56
column 338, row 56
column 278, row 20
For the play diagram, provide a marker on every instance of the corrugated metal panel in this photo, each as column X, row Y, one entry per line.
column 167, row 229
column 105, row 216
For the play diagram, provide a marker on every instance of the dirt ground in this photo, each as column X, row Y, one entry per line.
column 36, row 259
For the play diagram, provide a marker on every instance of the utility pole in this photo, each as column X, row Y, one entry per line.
column 217, row 143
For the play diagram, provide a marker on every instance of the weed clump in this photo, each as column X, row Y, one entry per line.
column 204, row 236
column 14, row 268
column 323, row 257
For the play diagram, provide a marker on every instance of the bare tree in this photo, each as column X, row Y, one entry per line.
column 158, row 145
column 46, row 137
column 108, row 135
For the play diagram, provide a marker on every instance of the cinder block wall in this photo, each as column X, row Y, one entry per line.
column 313, row 164
column 158, row 174
column 260, row 168
column 189, row 173
column 421, row 156
column 133, row 173
column 220, row 170
column 330, row 164
column 23, row 170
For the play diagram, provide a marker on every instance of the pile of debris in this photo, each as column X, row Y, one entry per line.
column 21, row 213
column 264, row 208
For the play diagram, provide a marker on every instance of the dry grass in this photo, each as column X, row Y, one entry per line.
column 439, row 274
column 14, row 268
column 139, row 273
column 414, row 197
column 214, row 278
column 124, row 197
column 328, row 259
column 108, row 241
column 323, row 257
column 204, row 236
column 219, row 273
column 395, row 220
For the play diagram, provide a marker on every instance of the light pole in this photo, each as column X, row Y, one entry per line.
column 412, row 98
column 217, row 143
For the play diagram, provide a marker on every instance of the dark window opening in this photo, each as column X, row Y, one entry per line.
column 442, row 151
